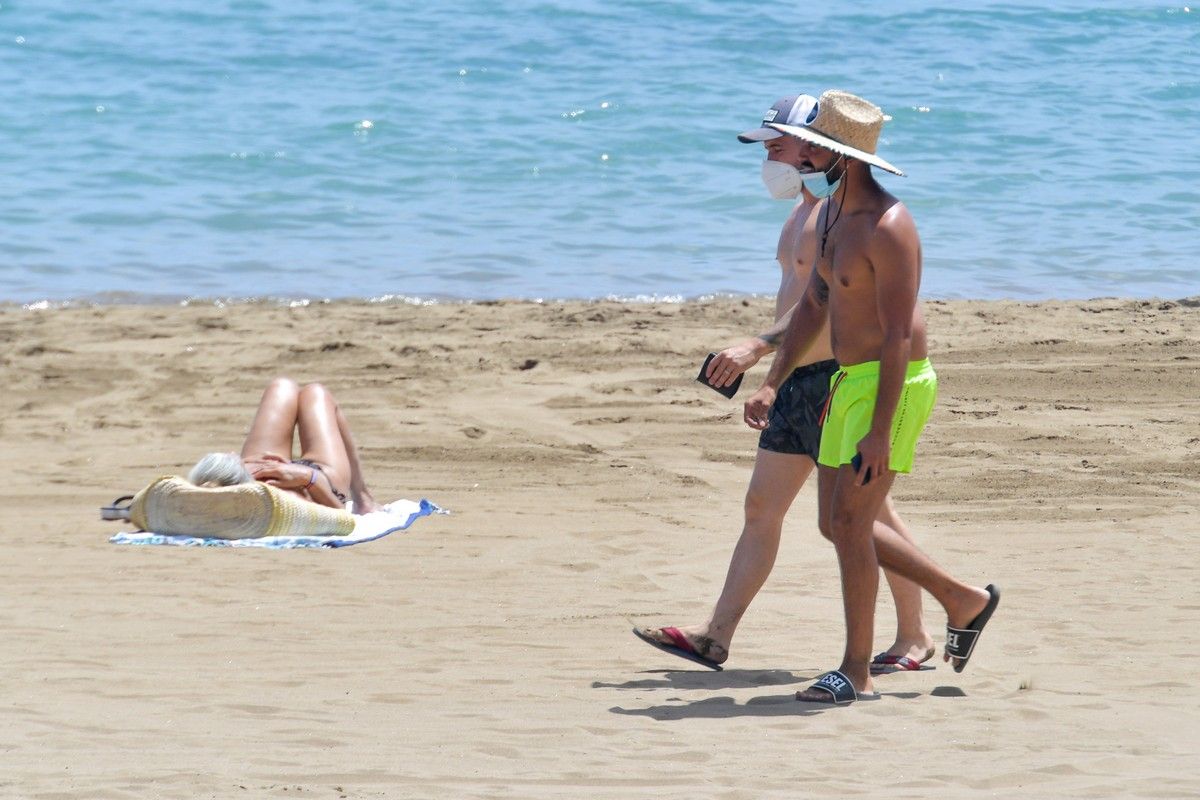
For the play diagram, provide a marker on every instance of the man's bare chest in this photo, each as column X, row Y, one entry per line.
column 844, row 263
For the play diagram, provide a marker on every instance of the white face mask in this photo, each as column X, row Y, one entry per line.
column 783, row 181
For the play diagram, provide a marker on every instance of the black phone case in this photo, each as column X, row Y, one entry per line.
column 728, row 391
column 856, row 462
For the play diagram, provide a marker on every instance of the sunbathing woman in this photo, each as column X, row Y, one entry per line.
column 328, row 470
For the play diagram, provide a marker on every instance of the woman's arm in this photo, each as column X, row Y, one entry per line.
column 364, row 501
column 310, row 480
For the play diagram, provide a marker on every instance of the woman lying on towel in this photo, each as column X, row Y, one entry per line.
column 328, row 470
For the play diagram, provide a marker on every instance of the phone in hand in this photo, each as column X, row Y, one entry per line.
column 856, row 462
column 728, row 391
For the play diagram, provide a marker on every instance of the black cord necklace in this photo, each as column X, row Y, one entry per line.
column 828, row 226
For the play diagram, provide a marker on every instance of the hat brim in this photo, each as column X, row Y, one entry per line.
column 762, row 134
column 809, row 135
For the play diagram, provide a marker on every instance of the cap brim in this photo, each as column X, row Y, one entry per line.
column 809, row 135
column 758, row 135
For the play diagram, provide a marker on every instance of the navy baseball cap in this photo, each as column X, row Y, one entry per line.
column 797, row 110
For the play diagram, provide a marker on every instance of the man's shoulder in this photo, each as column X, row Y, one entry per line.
column 894, row 222
column 802, row 211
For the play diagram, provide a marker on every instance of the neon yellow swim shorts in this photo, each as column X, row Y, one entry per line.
column 851, row 404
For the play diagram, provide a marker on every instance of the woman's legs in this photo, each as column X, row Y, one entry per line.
column 274, row 422
column 321, row 436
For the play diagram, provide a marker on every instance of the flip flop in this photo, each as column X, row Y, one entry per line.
column 887, row 663
column 960, row 642
column 681, row 647
column 839, row 688
column 118, row 510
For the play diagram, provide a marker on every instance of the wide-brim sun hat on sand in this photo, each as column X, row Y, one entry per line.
column 846, row 124
column 172, row 505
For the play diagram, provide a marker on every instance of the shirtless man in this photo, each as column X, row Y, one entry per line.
column 868, row 269
column 788, row 448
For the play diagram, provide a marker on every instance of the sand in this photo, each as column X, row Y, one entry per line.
column 594, row 486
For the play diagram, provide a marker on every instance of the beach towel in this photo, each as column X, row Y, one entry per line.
column 395, row 516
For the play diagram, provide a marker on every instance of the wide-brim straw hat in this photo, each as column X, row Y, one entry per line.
column 174, row 506
column 844, row 123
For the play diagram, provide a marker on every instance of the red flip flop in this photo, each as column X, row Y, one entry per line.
column 680, row 647
column 886, row 663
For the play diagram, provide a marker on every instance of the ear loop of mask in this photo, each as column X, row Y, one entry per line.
column 829, row 225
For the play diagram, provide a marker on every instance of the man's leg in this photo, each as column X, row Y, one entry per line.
column 961, row 601
column 913, row 640
column 848, row 513
column 776, row 480
column 912, row 637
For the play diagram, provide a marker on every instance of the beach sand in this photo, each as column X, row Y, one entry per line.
column 594, row 486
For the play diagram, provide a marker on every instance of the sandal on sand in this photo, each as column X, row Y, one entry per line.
column 960, row 642
column 681, row 646
column 887, row 663
column 839, row 688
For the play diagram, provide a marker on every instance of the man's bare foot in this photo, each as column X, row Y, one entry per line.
column 903, row 657
column 919, row 651
column 707, row 648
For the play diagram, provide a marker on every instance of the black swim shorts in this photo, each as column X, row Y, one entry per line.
column 794, row 426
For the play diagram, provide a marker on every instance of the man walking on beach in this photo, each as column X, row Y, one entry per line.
column 788, row 447
column 868, row 270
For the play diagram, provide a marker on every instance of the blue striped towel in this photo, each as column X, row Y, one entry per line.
column 395, row 516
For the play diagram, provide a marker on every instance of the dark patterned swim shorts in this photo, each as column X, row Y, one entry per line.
column 794, row 425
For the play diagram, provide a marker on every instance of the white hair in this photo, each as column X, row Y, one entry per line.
column 220, row 469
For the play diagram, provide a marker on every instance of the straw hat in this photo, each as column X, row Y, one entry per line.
column 846, row 124
column 174, row 506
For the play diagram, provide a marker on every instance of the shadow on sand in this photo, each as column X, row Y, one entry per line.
column 724, row 707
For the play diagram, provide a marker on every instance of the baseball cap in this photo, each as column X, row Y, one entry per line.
column 797, row 110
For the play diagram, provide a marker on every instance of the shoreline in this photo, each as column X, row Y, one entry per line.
column 594, row 486
column 132, row 299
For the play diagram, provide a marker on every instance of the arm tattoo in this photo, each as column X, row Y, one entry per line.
column 774, row 336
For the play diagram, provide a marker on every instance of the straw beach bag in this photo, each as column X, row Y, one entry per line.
column 174, row 506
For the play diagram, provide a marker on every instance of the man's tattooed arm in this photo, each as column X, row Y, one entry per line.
column 774, row 336
column 820, row 294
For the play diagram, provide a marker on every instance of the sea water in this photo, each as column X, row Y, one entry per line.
column 504, row 149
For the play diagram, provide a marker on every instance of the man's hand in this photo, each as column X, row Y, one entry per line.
column 733, row 361
column 876, row 450
column 758, row 407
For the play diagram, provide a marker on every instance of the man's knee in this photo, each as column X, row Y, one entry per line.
column 846, row 521
column 764, row 507
column 824, row 525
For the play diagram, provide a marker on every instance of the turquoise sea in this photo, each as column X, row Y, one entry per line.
column 156, row 150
